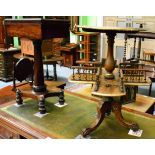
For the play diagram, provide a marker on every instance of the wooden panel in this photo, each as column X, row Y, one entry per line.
column 33, row 31
column 6, row 134
column 142, row 103
column 27, row 47
column 37, row 28
column 68, row 59
column 2, row 36
column 49, row 46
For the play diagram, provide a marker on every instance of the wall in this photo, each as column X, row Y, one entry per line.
column 15, row 39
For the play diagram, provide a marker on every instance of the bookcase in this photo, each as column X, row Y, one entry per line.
column 88, row 45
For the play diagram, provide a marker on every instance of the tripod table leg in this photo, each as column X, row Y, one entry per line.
column 116, row 108
column 102, row 109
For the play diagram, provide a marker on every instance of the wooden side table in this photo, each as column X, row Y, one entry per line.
column 109, row 90
column 38, row 30
column 108, row 85
column 6, row 63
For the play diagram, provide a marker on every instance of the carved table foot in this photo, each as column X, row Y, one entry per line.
column 116, row 108
column 102, row 110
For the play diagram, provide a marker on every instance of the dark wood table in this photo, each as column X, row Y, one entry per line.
column 38, row 30
column 109, row 86
column 140, row 36
column 150, row 63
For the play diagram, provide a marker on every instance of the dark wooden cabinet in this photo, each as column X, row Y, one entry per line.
column 6, row 55
column 2, row 36
column 5, row 41
column 6, row 63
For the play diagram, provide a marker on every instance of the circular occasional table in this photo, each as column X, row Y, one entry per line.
column 110, row 84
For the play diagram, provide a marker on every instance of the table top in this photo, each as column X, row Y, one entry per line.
column 9, row 50
column 106, row 29
column 148, row 35
column 149, row 52
column 37, row 28
column 86, row 33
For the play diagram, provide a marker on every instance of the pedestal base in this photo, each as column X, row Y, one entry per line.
column 41, row 96
column 105, row 108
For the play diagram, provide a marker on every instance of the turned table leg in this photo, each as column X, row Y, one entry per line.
column 42, row 108
column 116, row 108
column 55, row 72
column 110, row 62
column 38, row 84
column 102, row 110
column 19, row 99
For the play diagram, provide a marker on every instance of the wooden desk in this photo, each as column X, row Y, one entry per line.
column 37, row 30
column 12, row 128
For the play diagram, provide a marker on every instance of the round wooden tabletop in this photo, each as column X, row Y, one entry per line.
column 106, row 29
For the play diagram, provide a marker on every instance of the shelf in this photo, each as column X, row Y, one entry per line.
column 88, row 43
column 86, row 33
column 81, row 51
